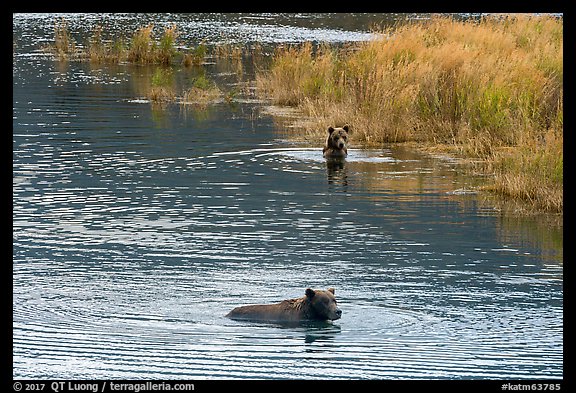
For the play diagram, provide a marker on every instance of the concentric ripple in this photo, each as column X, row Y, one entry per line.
column 136, row 228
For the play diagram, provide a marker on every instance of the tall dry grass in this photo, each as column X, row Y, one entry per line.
column 145, row 49
column 479, row 85
column 142, row 47
column 532, row 172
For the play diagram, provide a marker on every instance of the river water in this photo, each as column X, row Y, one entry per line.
column 137, row 227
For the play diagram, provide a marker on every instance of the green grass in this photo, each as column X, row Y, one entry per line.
column 162, row 86
column 195, row 56
column 202, row 92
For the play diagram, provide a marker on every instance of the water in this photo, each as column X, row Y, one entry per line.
column 136, row 228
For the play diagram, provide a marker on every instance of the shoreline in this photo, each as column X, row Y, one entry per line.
column 489, row 91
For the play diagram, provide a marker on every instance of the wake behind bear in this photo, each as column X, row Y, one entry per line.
column 316, row 305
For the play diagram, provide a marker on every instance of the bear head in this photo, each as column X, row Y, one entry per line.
column 337, row 141
column 323, row 303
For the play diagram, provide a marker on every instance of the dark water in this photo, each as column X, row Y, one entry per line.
column 136, row 228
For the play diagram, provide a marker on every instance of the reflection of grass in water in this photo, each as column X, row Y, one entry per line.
column 199, row 113
column 159, row 115
column 202, row 92
column 538, row 231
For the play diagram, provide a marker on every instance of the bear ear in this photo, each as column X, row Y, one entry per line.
column 346, row 127
column 330, row 130
column 331, row 290
column 310, row 293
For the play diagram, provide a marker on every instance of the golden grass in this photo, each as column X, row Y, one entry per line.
column 142, row 48
column 480, row 85
column 162, row 87
column 161, row 94
column 532, row 172
column 196, row 95
column 100, row 51
column 62, row 41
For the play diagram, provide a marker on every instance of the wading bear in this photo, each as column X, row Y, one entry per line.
column 336, row 145
column 316, row 305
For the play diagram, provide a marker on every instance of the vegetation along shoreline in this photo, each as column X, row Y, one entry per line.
column 490, row 90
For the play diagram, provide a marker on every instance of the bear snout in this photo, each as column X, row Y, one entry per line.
column 341, row 145
column 337, row 314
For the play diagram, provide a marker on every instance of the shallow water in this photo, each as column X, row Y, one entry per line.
column 137, row 228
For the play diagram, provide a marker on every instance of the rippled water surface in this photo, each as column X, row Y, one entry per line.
column 136, row 228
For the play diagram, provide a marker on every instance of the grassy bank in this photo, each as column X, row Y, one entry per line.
column 491, row 88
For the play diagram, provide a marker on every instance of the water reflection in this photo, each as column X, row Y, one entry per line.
column 321, row 334
column 139, row 227
column 337, row 173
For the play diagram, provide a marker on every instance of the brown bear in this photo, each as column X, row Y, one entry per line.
column 315, row 305
column 336, row 145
